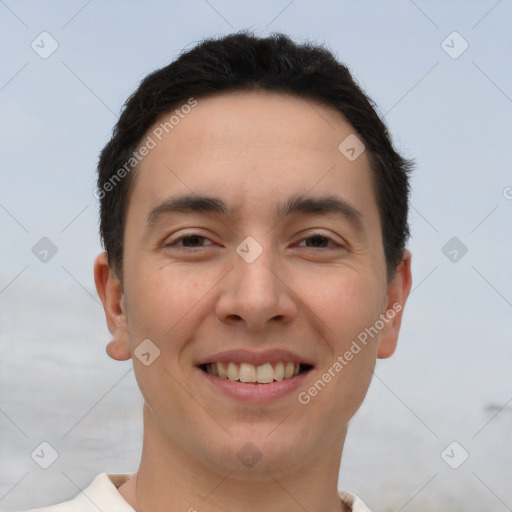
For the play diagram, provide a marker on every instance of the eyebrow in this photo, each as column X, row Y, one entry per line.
column 296, row 204
column 322, row 205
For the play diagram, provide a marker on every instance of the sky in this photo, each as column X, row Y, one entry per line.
column 440, row 75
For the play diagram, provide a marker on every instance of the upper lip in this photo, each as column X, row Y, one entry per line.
column 256, row 358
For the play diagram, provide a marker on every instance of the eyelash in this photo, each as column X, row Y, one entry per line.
column 174, row 243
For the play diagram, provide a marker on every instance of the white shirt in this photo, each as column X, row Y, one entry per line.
column 102, row 494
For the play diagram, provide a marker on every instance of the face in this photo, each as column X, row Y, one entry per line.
column 253, row 242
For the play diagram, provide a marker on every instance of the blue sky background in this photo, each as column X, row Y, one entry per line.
column 450, row 379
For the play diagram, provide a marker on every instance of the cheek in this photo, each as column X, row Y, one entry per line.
column 346, row 302
column 161, row 297
column 162, row 307
column 350, row 305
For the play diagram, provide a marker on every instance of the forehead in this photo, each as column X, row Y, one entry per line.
column 251, row 148
column 256, row 120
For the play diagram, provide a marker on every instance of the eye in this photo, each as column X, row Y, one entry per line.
column 190, row 240
column 319, row 241
column 195, row 240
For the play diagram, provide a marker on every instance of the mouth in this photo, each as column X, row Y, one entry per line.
column 252, row 377
column 247, row 373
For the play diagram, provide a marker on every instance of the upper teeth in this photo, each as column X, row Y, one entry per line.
column 246, row 372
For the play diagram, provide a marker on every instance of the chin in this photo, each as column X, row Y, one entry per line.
column 258, row 453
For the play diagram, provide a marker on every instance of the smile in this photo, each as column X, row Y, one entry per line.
column 258, row 374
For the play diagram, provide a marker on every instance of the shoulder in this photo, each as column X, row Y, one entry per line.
column 352, row 502
column 101, row 494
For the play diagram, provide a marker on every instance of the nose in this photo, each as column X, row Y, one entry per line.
column 256, row 294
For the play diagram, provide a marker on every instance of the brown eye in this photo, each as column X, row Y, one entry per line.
column 319, row 241
column 190, row 240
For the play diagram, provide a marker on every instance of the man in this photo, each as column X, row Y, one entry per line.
column 254, row 220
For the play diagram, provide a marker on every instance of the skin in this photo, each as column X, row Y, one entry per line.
column 197, row 300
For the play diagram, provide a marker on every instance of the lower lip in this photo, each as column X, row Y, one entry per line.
column 253, row 392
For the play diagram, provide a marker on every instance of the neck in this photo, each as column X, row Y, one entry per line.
column 169, row 478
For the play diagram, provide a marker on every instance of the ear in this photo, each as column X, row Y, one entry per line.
column 396, row 296
column 110, row 291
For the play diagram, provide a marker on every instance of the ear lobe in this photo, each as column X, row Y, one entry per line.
column 397, row 293
column 111, row 294
column 117, row 350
